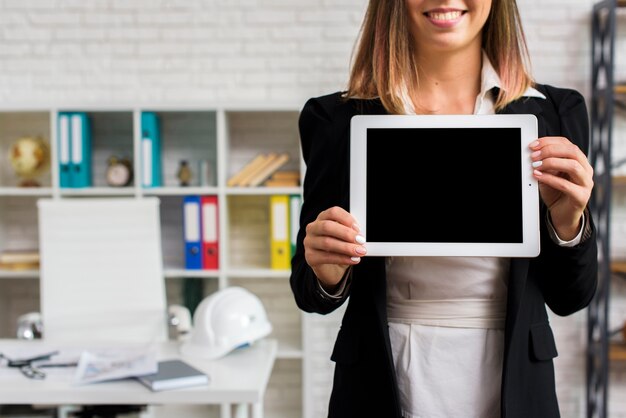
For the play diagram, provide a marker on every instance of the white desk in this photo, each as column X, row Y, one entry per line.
column 238, row 378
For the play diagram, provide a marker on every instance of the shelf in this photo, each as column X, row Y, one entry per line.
column 258, row 273
column 617, row 351
column 180, row 191
column 19, row 274
column 619, row 180
column 262, row 190
column 618, row 266
column 171, row 273
column 216, row 142
column 26, row 191
column 98, row 191
column 289, row 350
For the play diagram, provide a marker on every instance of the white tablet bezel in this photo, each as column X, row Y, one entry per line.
column 530, row 191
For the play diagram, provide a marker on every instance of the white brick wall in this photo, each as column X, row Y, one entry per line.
column 69, row 52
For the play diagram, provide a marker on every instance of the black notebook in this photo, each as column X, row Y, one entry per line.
column 174, row 374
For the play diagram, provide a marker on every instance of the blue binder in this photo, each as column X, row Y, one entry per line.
column 192, row 227
column 80, row 150
column 150, row 150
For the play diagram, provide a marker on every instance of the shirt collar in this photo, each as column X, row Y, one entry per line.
column 490, row 79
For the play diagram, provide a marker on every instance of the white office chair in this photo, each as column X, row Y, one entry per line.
column 101, row 271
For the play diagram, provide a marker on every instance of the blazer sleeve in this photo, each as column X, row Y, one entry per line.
column 569, row 274
column 325, row 155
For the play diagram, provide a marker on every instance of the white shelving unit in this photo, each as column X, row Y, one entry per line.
column 227, row 138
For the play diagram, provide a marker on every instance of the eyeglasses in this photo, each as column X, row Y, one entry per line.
column 26, row 365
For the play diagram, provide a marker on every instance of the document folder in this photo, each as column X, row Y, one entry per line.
column 150, row 150
column 295, row 200
column 210, row 233
column 64, row 150
column 280, row 246
column 80, row 149
column 192, row 226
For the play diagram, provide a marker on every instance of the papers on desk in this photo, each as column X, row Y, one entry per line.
column 115, row 364
column 83, row 366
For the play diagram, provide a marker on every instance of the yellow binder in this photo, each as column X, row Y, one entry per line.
column 280, row 246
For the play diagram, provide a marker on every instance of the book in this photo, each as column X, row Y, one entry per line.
column 174, row 374
column 252, row 173
column 19, row 256
column 266, row 171
column 271, row 182
column 242, row 174
column 286, row 174
column 19, row 259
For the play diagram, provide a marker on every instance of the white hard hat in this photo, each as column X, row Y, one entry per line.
column 227, row 319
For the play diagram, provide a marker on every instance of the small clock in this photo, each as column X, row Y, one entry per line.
column 119, row 172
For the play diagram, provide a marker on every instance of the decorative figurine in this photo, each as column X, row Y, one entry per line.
column 30, row 158
column 119, row 172
column 184, row 173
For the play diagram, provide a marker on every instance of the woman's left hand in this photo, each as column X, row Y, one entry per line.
column 565, row 182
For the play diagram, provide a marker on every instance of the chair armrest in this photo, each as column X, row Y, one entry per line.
column 179, row 317
column 30, row 326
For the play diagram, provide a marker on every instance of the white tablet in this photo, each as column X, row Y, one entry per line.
column 444, row 185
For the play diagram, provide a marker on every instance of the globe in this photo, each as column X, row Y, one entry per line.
column 30, row 158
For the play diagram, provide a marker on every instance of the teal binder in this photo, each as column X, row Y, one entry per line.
column 80, row 150
column 64, row 149
column 150, row 150
column 74, row 150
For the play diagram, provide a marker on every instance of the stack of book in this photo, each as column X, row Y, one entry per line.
column 19, row 259
column 259, row 169
column 283, row 179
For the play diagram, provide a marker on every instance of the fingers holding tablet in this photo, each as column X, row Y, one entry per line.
column 565, row 181
column 332, row 243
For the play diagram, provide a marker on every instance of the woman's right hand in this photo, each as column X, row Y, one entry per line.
column 332, row 243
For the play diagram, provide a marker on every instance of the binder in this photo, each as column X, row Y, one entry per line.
column 80, row 150
column 295, row 200
column 64, row 150
column 210, row 233
column 280, row 247
column 150, row 150
column 192, row 229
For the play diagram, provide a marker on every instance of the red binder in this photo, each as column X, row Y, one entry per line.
column 210, row 233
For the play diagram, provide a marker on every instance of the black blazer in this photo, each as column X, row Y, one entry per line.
column 563, row 278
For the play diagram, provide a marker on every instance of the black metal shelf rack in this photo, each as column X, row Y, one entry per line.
column 602, row 108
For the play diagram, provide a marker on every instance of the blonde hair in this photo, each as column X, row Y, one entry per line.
column 384, row 64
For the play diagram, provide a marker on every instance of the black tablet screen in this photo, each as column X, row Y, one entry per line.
column 458, row 185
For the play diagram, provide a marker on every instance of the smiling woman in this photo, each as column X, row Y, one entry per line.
column 437, row 336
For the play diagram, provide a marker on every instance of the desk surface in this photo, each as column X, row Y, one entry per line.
column 239, row 377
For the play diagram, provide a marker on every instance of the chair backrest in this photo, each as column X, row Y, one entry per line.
column 102, row 270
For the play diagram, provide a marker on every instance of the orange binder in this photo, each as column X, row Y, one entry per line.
column 210, row 233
